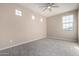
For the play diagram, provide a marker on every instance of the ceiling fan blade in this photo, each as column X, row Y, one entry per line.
column 43, row 6
column 44, row 9
column 52, row 3
column 55, row 6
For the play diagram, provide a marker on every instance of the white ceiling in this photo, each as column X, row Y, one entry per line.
column 63, row 7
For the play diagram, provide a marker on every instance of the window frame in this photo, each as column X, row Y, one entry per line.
column 67, row 23
column 18, row 12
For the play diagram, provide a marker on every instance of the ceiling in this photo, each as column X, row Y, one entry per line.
column 63, row 7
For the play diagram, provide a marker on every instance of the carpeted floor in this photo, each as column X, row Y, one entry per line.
column 44, row 47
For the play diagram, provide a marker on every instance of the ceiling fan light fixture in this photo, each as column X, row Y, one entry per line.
column 49, row 7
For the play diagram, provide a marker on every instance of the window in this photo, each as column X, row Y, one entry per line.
column 68, row 23
column 18, row 12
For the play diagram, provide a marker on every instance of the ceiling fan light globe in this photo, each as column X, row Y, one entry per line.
column 49, row 7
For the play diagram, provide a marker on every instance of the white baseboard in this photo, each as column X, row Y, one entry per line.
column 64, row 39
column 22, row 43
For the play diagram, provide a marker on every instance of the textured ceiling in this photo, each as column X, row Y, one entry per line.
column 63, row 7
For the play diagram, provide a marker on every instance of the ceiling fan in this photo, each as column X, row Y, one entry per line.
column 49, row 6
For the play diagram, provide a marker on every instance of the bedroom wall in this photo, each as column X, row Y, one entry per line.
column 78, row 25
column 15, row 30
column 55, row 29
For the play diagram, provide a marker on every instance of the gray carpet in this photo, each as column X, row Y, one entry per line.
column 44, row 47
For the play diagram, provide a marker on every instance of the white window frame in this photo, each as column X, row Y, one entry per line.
column 18, row 12
column 68, row 21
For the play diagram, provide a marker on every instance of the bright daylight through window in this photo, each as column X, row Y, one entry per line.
column 68, row 23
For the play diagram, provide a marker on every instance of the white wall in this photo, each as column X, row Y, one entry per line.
column 15, row 30
column 55, row 29
column 78, row 25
